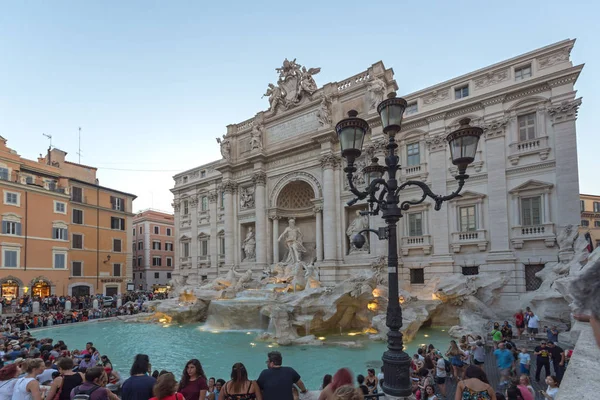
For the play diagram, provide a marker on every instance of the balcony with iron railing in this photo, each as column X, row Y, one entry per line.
column 521, row 234
column 524, row 148
column 477, row 237
column 422, row 242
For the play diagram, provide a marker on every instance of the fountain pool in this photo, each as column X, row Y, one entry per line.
column 171, row 346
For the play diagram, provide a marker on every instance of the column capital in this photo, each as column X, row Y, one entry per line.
column 274, row 217
column 495, row 128
column 193, row 201
column 565, row 111
column 437, row 143
column 330, row 160
column 176, row 205
column 259, row 178
column 318, row 208
column 229, row 186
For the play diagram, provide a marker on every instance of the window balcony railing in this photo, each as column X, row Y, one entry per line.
column 529, row 147
column 521, row 234
column 478, row 238
column 203, row 258
column 415, row 171
column 185, row 260
column 416, row 243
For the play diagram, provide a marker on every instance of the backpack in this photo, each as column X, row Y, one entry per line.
column 447, row 365
column 84, row 394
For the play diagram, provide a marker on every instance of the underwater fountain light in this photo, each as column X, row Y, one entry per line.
column 426, row 335
column 321, row 337
column 372, row 306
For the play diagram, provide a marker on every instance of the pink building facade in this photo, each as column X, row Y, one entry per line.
column 153, row 255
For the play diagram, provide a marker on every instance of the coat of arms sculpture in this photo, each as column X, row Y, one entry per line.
column 295, row 83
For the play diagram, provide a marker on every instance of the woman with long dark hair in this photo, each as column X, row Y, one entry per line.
column 139, row 385
column 240, row 387
column 341, row 378
column 193, row 381
column 474, row 386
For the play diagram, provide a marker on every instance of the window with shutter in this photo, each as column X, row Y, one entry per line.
column 156, row 275
column 77, row 194
column 60, row 260
column 77, row 216
column 117, row 245
column 169, row 262
column 156, row 230
column 116, row 269
column 11, row 228
column 11, row 258
column 77, row 241
column 76, row 269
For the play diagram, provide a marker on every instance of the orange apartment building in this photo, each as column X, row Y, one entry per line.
column 152, row 246
column 62, row 233
column 590, row 217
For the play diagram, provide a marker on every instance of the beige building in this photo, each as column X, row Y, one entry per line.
column 153, row 254
column 62, row 232
column 590, row 217
column 284, row 163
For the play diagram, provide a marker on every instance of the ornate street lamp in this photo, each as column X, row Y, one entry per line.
column 384, row 195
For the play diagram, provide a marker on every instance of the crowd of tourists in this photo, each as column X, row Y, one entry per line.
column 35, row 369
column 56, row 311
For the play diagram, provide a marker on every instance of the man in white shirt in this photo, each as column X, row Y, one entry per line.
column 46, row 376
column 440, row 374
column 533, row 325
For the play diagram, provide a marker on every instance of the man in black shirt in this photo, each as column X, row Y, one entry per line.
column 543, row 360
column 558, row 360
column 276, row 382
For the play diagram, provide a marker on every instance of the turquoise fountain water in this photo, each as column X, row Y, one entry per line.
column 170, row 346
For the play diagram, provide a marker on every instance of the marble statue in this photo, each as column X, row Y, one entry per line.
column 312, row 276
column 225, row 147
column 276, row 96
column 256, row 137
column 243, row 280
column 246, row 198
column 299, row 280
column 249, row 246
column 360, row 222
column 294, row 82
column 376, row 89
column 307, row 82
column 566, row 238
column 324, row 111
column 293, row 242
column 229, row 280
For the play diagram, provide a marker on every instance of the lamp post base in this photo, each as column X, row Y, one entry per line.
column 396, row 374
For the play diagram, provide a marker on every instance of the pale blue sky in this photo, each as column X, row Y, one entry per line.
column 153, row 83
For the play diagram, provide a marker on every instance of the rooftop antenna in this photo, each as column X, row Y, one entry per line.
column 49, row 138
column 79, row 150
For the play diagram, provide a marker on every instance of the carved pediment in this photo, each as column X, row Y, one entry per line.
column 532, row 185
column 469, row 195
column 184, row 238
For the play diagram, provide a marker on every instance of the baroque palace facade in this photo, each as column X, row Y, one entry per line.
column 284, row 163
column 62, row 233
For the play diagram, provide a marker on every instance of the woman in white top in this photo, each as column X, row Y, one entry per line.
column 552, row 390
column 28, row 388
column 8, row 378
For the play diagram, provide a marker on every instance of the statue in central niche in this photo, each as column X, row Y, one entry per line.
column 293, row 242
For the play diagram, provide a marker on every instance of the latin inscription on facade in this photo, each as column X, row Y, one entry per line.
column 293, row 127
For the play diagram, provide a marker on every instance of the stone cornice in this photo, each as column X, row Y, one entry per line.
column 464, row 110
column 532, row 167
column 527, row 92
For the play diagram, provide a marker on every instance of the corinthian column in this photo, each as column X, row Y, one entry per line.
column 194, row 251
column 319, row 232
column 328, row 163
column 214, row 241
column 229, row 187
column 260, row 178
column 275, row 220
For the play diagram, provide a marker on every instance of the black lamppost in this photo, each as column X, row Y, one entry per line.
column 383, row 195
